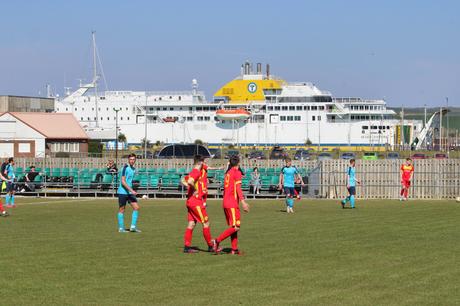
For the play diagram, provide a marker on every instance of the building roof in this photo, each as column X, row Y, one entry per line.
column 52, row 125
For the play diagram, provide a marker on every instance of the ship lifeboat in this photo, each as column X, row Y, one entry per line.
column 233, row 114
column 169, row 119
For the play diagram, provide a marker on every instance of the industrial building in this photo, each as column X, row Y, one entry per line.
column 26, row 104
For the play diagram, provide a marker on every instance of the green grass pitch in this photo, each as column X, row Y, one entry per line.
column 68, row 252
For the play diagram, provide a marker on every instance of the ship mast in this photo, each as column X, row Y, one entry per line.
column 93, row 33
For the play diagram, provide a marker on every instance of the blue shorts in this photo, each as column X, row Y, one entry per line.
column 9, row 186
column 126, row 198
column 289, row 191
column 352, row 190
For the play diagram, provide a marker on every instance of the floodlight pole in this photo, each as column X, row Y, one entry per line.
column 116, row 135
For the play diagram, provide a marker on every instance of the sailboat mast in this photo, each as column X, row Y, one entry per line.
column 95, row 76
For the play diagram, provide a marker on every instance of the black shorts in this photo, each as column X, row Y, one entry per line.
column 9, row 186
column 126, row 198
column 352, row 190
column 289, row 191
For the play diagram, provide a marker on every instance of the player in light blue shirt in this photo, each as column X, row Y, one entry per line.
column 10, row 175
column 351, row 185
column 126, row 194
column 287, row 182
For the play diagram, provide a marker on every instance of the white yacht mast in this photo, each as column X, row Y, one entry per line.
column 95, row 76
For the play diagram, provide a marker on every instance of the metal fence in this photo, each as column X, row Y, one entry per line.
column 433, row 179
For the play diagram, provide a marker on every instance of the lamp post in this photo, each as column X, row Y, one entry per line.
column 447, row 127
column 116, row 135
column 145, row 127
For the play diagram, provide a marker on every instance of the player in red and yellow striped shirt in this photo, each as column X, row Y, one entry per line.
column 233, row 195
column 407, row 169
column 195, row 208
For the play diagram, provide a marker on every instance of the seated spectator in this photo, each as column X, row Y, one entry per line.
column 111, row 168
column 255, row 180
column 29, row 184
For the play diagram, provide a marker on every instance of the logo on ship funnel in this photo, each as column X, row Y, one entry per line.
column 252, row 87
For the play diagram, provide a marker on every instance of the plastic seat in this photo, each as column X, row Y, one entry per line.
column 154, row 181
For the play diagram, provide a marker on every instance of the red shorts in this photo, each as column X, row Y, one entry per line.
column 406, row 183
column 233, row 216
column 197, row 214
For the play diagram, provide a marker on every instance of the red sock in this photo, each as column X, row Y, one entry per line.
column 188, row 237
column 1, row 207
column 225, row 234
column 234, row 238
column 402, row 192
column 207, row 235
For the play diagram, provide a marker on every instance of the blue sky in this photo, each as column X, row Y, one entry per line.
column 407, row 52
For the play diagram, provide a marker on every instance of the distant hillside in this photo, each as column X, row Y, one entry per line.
column 418, row 113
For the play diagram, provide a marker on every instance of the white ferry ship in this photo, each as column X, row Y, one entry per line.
column 255, row 109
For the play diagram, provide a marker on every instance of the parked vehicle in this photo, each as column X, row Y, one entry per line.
column 370, row 156
column 419, row 156
column 441, row 156
column 324, row 156
column 278, row 153
column 183, row 151
column 256, row 155
column 347, row 155
column 393, row 155
column 215, row 153
column 302, row 155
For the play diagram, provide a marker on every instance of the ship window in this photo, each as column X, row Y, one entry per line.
column 299, row 107
column 291, row 107
column 313, row 118
column 81, row 118
column 314, row 107
column 277, row 108
column 189, row 118
column 270, row 108
column 180, row 98
column 365, row 127
column 108, row 119
column 319, row 118
column 207, row 118
column 333, row 118
column 75, row 108
column 180, row 108
column 159, row 99
column 290, row 118
column 190, row 108
column 321, row 107
column 373, row 127
column 366, row 107
column 352, row 117
column 200, row 118
column 66, row 109
column 381, row 127
column 94, row 118
column 297, row 118
column 102, row 118
column 171, row 108
column 151, row 108
column 99, row 109
column 306, row 107
column 170, row 97
column 121, row 118
column 283, row 118
column 107, row 108
column 92, row 109
column 216, row 119
column 165, row 108
column 285, row 108
column 206, row 109
column 199, row 108
column 89, row 119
